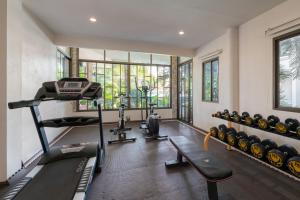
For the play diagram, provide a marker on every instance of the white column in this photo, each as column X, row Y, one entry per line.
column 3, row 107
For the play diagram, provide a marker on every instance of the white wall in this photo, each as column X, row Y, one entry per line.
column 228, row 67
column 256, row 65
column 246, row 72
column 38, row 66
column 3, row 105
column 14, row 70
column 31, row 60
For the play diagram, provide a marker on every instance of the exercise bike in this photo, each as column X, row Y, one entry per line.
column 120, row 131
column 151, row 124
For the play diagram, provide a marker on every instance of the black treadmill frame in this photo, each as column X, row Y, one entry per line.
column 36, row 115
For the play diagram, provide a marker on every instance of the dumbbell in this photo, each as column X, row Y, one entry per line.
column 214, row 131
column 293, row 165
column 260, row 149
column 270, row 122
column 223, row 132
column 236, row 117
column 290, row 126
column 243, row 116
column 226, row 115
column 217, row 114
column 253, row 121
column 233, row 137
column 298, row 132
column 229, row 117
column 245, row 143
column 278, row 157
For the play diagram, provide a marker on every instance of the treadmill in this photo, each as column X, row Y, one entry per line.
column 65, row 172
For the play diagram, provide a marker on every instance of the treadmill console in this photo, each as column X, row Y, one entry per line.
column 69, row 86
column 69, row 89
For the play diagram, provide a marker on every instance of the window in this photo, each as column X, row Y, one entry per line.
column 62, row 65
column 210, row 86
column 287, row 72
column 118, row 76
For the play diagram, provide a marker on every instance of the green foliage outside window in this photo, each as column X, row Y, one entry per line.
column 211, row 81
column 119, row 78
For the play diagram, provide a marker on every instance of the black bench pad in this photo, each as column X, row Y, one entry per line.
column 210, row 167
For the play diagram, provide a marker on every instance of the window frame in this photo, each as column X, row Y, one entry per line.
column 128, row 80
column 276, row 74
column 211, row 77
column 63, row 54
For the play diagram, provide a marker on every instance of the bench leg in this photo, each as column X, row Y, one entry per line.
column 178, row 162
column 212, row 190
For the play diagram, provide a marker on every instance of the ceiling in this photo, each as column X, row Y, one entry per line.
column 152, row 21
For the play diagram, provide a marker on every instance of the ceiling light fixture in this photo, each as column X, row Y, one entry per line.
column 181, row 32
column 93, row 19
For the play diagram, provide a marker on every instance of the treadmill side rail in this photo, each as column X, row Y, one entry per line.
column 13, row 192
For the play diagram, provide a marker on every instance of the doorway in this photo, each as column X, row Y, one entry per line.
column 185, row 91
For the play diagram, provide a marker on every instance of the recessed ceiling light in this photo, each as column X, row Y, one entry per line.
column 181, row 32
column 93, row 19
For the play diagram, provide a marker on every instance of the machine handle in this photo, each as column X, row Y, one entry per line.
column 24, row 103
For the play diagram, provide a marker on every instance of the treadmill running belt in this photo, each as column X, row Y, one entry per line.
column 56, row 181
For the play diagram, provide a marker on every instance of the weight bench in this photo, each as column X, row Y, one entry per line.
column 206, row 164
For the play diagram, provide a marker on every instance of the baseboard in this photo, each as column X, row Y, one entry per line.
column 4, row 183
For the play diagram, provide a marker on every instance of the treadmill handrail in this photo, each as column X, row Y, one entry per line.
column 23, row 103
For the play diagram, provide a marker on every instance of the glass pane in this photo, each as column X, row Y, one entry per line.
column 100, row 68
column 289, row 72
column 140, row 57
column 161, row 59
column 118, row 56
column 183, row 59
column 116, row 69
column 91, row 54
column 207, row 82
column 215, row 81
column 82, row 104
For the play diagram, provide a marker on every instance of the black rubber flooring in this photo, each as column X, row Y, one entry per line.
column 136, row 171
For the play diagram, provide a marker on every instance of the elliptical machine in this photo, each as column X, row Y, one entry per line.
column 120, row 131
column 151, row 124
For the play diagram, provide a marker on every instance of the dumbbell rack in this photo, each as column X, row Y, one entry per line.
column 254, row 127
column 230, row 148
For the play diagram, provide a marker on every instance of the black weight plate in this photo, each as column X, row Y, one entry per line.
column 288, row 150
column 272, row 119
column 253, row 139
column 232, row 130
column 298, row 131
column 258, row 150
column 293, row 165
column 276, row 158
column 263, row 124
column 258, row 116
column 292, row 123
column 245, row 114
column 243, row 144
column 226, row 111
column 231, row 139
column 281, row 128
column 214, row 131
column 236, row 118
column 235, row 113
column 242, row 134
column 269, row 144
column 222, row 127
column 248, row 121
column 222, row 135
